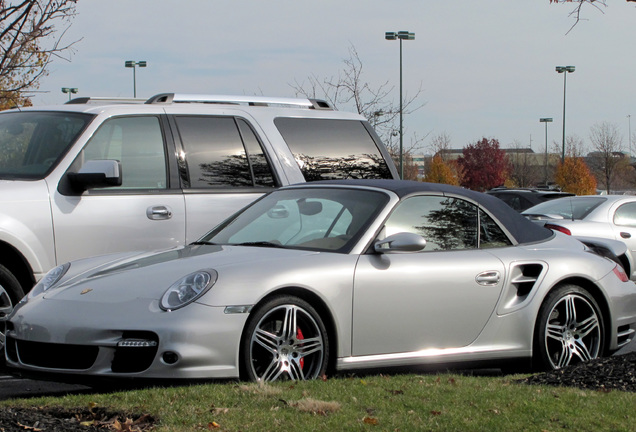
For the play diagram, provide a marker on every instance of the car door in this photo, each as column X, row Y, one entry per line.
column 144, row 213
column 623, row 222
column 223, row 168
column 438, row 298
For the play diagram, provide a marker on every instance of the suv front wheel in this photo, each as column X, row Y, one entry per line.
column 10, row 294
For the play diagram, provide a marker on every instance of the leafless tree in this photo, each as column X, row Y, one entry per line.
column 580, row 4
column 349, row 89
column 606, row 142
column 524, row 170
column 440, row 145
column 574, row 147
column 31, row 33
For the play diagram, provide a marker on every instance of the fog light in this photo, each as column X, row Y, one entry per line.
column 136, row 343
column 170, row 357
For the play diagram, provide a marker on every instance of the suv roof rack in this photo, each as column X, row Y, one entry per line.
column 167, row 98
column 105, row 100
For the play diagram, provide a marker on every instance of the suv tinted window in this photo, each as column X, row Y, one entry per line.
column 327, row 149
column 137, row 143
column 215, row 154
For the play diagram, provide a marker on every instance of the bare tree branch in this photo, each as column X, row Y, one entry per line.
column 576, row 12
column 349, row 89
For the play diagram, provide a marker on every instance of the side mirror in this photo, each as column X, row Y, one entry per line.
column 95, row 174
column 400, row 242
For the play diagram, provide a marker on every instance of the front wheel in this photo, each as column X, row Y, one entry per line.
column 570, row 329
column 285, row 339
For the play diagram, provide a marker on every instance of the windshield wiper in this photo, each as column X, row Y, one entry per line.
column 261, row 244
column 203, row 242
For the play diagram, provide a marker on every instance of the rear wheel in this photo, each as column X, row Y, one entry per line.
column 285, row 339
column 570, row 329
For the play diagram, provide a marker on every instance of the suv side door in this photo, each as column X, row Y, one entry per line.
column 146, row 212
column 222, row 165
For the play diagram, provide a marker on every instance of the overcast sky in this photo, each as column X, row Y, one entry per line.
column 486, row 68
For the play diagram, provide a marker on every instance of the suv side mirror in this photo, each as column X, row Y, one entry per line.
column 400, row 242
column 95, row 174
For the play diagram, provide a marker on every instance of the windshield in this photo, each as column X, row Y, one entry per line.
column 567, row 208
column 32, row 142
column 330, row 219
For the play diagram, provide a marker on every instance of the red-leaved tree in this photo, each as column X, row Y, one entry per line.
column 484, row 165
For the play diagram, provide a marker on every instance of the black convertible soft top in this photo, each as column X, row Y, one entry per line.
column 523, row 230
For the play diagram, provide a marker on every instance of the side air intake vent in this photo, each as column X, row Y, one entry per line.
column 524, row 278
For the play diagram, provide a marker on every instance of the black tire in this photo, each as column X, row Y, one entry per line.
column 10, row 294
column 285, row 339
column 570, row 329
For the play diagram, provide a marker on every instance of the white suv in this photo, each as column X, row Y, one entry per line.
column 95, row 176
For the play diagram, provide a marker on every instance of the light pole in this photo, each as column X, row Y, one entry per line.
column 132, row 64
column 401, row 35
column 546, row 120
column 69, row 90
column 565, row 70
column 629, row 137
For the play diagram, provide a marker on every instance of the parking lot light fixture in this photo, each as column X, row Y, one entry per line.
column 401, row 35
column 132, row 64
column 546, row 120
column 70, row 91
column 565, row 70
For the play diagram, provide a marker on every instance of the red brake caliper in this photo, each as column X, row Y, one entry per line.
column 299, row 336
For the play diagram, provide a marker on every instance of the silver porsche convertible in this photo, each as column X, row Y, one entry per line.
column 325, row 277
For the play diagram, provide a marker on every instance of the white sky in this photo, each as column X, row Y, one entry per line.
column 486, row 67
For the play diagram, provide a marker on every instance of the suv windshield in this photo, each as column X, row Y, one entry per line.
column 566, row 208
column 32, row 142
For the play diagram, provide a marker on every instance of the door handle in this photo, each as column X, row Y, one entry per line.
column 626, row 235
column 488, row 278
column 159, row 213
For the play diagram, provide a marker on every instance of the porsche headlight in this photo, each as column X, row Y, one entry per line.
column 188, row 289
column 50, row 279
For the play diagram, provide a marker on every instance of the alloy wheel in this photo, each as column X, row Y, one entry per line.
column 573, row 331
column 287, row 343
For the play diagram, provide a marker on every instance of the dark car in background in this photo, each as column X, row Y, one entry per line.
column 522, row 199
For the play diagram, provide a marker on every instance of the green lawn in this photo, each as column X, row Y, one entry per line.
column 444, row 402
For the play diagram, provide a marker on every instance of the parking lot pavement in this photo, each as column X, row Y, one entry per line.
column 11, row 387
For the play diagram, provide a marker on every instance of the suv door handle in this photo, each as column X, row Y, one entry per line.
column 626, row 235
column 488, row 278
column 159, row 213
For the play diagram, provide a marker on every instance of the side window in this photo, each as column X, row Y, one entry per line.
column 327, row 149
column 137, row 142
column 215, row 154
column 490, row 234
column 512, row 200
column 261, row 170
column 626, row 215
column 446, row 223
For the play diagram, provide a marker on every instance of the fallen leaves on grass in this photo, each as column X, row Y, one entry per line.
column 315, row 406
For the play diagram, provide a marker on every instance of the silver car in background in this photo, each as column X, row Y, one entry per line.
column 330, row 276
column 592, row 216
